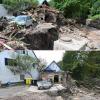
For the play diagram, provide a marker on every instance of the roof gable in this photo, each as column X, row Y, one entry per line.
column 53, row 67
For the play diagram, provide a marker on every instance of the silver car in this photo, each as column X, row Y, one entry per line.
column 23, row 20
column 44, row 84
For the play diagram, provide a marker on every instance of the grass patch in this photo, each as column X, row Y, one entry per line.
column 95, row 17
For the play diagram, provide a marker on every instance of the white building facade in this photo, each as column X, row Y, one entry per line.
column 6, row 75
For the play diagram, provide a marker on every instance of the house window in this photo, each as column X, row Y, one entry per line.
column 22, row 77
column 21, row 51
column 10, row 62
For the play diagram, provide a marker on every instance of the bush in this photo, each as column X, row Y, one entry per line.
column 77, row 9
column 72, row 9
column 95, row 17
column 95, row 10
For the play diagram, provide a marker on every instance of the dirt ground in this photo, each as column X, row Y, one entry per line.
column 28, row 93
column 85, row 95
column 11, row 91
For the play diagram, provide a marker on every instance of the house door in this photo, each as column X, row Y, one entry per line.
column 56, row 78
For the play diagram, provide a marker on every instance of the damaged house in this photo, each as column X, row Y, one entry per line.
column 53, row 72
column 8, row 76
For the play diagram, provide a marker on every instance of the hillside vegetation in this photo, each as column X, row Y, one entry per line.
column 84, row 66
column 78, row 9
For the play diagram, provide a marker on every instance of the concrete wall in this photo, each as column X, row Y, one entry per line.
column 3, row 11
column 6, row 75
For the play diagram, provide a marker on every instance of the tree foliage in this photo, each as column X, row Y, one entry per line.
column 77, row 9
column 42, row 64
column 22, row 63
column 95, row 9
column 83, row 65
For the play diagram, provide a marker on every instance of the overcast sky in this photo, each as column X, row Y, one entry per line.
column 40, row 1
column 49, row 56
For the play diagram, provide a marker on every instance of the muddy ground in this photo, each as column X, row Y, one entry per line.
column 22, row 93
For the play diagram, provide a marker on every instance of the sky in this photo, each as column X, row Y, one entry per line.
column 49, row 56
column 40, row 1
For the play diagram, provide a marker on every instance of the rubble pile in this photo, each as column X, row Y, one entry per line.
column 39, row 36
column 3, row 23
column 93, row 23
column 50, row 30
column 72, row 31
column 71, row 38
column 10, row 37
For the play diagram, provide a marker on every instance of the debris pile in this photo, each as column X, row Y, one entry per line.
column 3, row 23
column 93, row 23
column 50, row 30
column 40, row 35
column 71, row 38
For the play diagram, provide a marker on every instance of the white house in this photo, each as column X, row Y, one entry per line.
column 53, row 72
column 6, row 75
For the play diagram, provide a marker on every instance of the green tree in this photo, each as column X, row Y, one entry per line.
column 95, row 9
column 77, row 9
column 83, row 65
column 69, row 60
column 22, row 63
column 42, row 64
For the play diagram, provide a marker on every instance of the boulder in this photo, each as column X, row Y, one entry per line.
column 42, row 37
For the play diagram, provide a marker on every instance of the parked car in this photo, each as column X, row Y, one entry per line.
column 44, row 84
column 23, row 20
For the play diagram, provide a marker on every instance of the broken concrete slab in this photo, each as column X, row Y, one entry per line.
column 43, row 28
column 53, row 90
column 70, row 45
column 66, row 39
